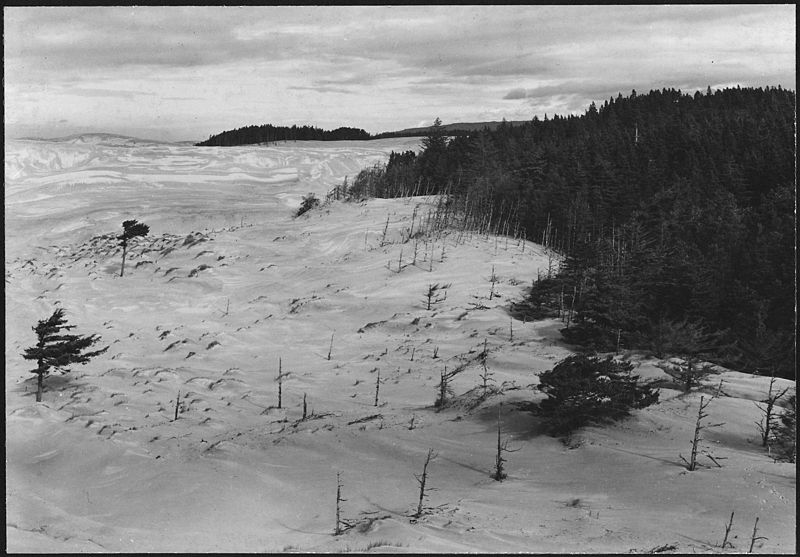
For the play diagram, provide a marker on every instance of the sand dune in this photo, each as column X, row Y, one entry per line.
column 227, row 283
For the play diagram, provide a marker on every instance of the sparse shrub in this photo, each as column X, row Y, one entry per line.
column 582, row 390
column 310, row 201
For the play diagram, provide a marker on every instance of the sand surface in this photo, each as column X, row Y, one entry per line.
column 228, row 283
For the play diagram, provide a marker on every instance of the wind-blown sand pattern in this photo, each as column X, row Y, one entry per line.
column 226, row 283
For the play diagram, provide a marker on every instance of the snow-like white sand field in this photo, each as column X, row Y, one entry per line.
column 227, row 283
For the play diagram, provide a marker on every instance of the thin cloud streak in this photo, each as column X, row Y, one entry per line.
column 191, row 71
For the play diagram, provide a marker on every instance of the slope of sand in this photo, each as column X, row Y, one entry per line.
column 227, row 283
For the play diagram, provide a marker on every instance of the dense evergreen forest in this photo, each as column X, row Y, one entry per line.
column 269, row 133
column 674, row 214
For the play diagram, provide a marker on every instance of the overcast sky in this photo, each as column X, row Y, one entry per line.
column 184, row 73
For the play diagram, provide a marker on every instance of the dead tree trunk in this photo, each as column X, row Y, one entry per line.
column 124, row 252
column 279, row 379
column 377, row 387
column 691, row 464
column 423, row 480
column 39, row 382
column 502, row 447
column 338, row 530
column 755, row 537
column 768, row 421
column 728, row 527
column 177, row 406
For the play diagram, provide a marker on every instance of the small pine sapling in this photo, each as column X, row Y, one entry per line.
column 691, row 341
column 422, row 480
column 377, row 387
column 385, row 229
column 487, row 375
column 502, row 447
column 130, row 229
column 56, row 350
column 435, row 294
column 688, row 372
column 330, row 348
column 443, row 389
column 305, row 407
column 310, row 201
column 493, row 279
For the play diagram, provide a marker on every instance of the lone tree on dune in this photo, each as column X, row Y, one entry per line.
column 131, row 229
column 56, row 350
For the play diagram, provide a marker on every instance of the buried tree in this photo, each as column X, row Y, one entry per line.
column 131, row 229
column 55, row 350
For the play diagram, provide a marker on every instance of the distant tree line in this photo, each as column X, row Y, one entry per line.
column 268, row 133
column 675, row 214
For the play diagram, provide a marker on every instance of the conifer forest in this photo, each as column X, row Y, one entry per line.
column 675, row 214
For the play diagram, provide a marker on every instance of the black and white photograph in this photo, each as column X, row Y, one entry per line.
column 405, row 279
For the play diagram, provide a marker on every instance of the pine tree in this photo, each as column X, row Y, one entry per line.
column 55, row 350
column 583, row 390
column 131, row 229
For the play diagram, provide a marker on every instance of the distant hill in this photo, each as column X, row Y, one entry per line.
column 459, row 128
column 268, row 133
column 98, row 138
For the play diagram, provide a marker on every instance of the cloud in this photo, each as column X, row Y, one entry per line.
column 396, row 64
column 517, row 93
column 321, row 89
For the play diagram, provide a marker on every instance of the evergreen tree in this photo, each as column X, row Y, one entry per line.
column 55, row 350
column 131, row 229
column 582, row 390
column 433, row 160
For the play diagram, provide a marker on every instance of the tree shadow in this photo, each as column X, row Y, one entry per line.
column 517, row 418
